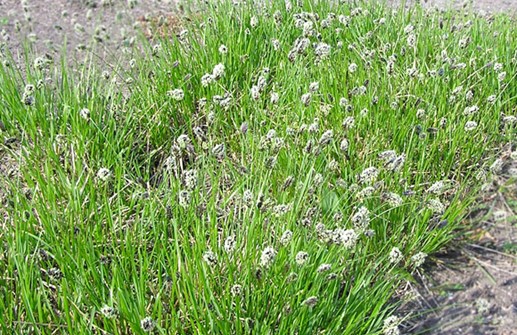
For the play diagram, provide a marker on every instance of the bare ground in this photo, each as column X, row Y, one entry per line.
column 471, row 289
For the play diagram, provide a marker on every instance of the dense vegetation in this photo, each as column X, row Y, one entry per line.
column 271, row 169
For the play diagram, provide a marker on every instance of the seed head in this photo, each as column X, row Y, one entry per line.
column 210, row 258
column 348, row 122
column 218, row 151
column 497, row 166
column 236, row 290
column 184, row 198
column 436, row 206
column 418, row 259
column 286, row 237
column 346, row 238
column 392, row 199
column 207, row 79
column 322, row 50
column 369, row 175
column 267, row 257
column 254, row 21
column 391, row 326
column 176, row 94
column 147, row 324
column 395, row 255
column 274, row 98
column 311, row 301
column 223, row 50
column 103, row 174
column 470, row 125
column 361, row 219
column 218, row 71
column 306, row 99
column 326, row 138
column 229, row 244
column 85, row 113
column 324, row 268
column 108, row 312
column 301, row 257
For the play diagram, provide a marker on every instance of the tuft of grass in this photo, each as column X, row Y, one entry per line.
column 145, row 201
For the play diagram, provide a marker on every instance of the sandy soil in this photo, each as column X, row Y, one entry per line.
column 473, row 289
column 508, row 6
column 106, row 26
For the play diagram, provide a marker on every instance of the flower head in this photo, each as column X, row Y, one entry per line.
column 395, row 255
column 267, row 257
column 104, row 174
column 210, row 258
column 311, row 301
column 147, row 324
column 108, row 312
column 361, row 219
column 218, row 71
column 236, row 290
column 223, row 49
column 301, row 257
column 229, row 244
column 176, row 94
column 286, row 237
column 418, row 259
column 85, row 113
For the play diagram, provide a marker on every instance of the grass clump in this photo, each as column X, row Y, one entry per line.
column 273, row 169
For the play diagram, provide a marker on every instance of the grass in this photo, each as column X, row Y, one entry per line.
column 136, row 206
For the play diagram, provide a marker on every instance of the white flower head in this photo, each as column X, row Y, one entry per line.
column 369, row 175
column 176, row 94
column 229, row 244
column 395, row 255
column 85, row 113
column 218, row 71
column 418, row 259
column 301, row 258
column 306, row 99
column 254, row 21
column 347, row 238
column 147, row 324
column 391, row 326
column 210, row 258
column 223, row 50
column 286, row 237
column 344, row 145
column 361, row 219
column 324, row 268
column 236, row 290
column 207, row 79
column 314, row 87
column 471, row 125
column 108, row 312
column 267, row 257
column 104, row 174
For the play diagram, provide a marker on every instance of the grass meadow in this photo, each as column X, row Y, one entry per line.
column 272, row 168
